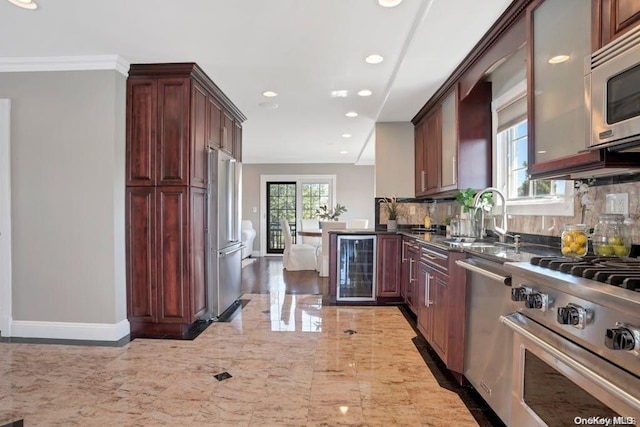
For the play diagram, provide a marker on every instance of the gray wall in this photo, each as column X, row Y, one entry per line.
column 395, row 164
column 354, row 188
column 67, row 184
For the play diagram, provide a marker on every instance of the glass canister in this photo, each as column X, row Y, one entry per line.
column 611, row 236
column 574, row 240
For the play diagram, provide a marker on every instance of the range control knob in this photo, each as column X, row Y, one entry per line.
column 537, row 300
column 620, row 338
column 572, row 315
column 519, row 294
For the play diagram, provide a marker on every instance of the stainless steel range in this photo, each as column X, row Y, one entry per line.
column 576, row 326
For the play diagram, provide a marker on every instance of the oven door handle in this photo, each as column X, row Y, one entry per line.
column 506, row 280
column 518, row 323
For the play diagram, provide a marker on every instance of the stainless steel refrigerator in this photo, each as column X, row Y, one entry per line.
column 224, row 260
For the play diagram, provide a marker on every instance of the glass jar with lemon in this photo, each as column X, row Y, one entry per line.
column 610, row 236
column 574, row 240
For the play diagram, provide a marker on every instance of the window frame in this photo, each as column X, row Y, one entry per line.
column 556, row 206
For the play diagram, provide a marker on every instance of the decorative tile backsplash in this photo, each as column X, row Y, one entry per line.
column 414, row 212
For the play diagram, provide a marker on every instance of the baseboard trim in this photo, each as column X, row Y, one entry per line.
column 70, row 331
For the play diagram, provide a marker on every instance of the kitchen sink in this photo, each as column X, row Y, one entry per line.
column 468, row 244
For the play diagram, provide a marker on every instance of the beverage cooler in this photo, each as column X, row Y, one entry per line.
column 356, row 278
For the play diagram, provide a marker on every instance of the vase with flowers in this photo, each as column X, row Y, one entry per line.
column 392, row 208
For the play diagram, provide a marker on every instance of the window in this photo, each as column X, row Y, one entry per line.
column 524, row 196
column 314, row 195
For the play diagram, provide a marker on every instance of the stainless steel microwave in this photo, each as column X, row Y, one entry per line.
column 612, row 94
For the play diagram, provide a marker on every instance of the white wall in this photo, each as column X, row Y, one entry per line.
column 354, row 188
column 67, row 185
column 395, row 164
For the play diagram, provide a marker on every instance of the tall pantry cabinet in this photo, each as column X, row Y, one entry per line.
column 175, row 114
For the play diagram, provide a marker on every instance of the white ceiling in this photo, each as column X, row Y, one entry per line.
column 302, row 49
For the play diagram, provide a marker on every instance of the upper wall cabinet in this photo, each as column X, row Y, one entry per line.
column 560, row 37
column 175, row 114
column 616, row 18
column 453, row 144
column 559, row 40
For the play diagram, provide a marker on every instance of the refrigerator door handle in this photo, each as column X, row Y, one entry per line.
column 223, row 254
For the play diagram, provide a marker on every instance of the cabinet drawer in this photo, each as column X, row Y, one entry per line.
column 435, row 258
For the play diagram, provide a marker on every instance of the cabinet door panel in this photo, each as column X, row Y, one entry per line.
column 142, row 117
column 237, row 141
column 423, row 300
column 172, row 254
column 420, row 173
column 388, row 265
column 198, row 251
column 433, row 138
column 449, row 142
column 618, row 17
column 438, row 291
column 215, row 123
column 556, row 91
column 199, row 141
column 141, row 250
column 173, row 127
column 227, row 133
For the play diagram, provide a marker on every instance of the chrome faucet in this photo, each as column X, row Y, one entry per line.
column 477, row 203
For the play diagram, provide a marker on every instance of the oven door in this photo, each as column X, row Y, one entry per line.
column 557, row 383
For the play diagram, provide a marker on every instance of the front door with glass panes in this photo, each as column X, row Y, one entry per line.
column 293, row 201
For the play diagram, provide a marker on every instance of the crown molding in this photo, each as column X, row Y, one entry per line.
column 65, row 63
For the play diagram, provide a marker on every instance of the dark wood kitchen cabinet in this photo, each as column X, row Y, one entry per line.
column 616, row 17
column 428, row 137
column 441, row 305
column 388, row 265
column 453, row 144
column 174, row 115
column 410, row 274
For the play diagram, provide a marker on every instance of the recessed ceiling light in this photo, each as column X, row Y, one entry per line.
column 269, row 93
column 365, row 92
column 558, row 59
column 346, row 135
column 344, row 152
column 389, row 3
column 268, row 105
column 25, row 4
column 339, row 93
column 351, row 114
column 374, row 59
column 542, row 151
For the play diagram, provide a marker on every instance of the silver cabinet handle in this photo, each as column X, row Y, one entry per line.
column 422, row 178
column 455, row 172
column 411, row 279
column 427, row 290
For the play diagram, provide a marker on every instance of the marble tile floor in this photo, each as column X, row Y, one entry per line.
column 290, row 359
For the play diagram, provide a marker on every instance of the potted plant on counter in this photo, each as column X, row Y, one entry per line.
column 393, row 210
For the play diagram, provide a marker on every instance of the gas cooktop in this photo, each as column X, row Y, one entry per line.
column 617, row 271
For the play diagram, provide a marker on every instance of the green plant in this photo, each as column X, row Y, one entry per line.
column 326, row 214
column 392, row 207
column 466, row 199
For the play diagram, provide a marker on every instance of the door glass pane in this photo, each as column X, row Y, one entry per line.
column 313, row 196
column 281, row 203
column 356, row 268
column 540, row 378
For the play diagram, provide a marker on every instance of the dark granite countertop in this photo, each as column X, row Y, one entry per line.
column 489, row 249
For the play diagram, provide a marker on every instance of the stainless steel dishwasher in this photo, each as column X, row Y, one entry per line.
column 488, row 343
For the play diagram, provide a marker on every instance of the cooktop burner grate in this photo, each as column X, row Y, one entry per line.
column 617, row 271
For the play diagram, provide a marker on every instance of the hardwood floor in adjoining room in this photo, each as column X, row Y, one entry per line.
column 284, row 359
